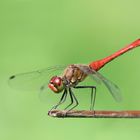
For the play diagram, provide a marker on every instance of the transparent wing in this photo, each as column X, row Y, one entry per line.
column 34, row 80
column 43, row 93
column 113, row 88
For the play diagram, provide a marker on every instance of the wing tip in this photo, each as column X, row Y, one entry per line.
column 118, row 98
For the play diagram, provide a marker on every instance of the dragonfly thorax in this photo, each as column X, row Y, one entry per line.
column 73, row 75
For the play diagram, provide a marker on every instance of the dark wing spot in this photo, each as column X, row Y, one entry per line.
column 42, row 87
column 12, row 77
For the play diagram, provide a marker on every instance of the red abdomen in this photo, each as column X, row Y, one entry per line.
column 97, row 65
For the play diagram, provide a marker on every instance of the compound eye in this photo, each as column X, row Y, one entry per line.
column 53, row 80
column 58, row 81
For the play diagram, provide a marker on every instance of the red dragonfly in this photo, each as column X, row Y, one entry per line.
column 70, row 78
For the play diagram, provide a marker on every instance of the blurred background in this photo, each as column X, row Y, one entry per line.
column 38, row 34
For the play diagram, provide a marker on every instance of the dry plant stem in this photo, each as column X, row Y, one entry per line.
column 94, row 114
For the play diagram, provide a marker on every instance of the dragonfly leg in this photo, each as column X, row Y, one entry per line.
column 93, row 97
column 62, row 100
column 73, row 97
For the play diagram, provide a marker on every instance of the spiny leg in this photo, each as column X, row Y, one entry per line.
column 73, row 96
column 92, row 96
column 62, row 100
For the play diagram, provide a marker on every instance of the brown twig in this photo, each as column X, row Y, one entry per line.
column 94, row 114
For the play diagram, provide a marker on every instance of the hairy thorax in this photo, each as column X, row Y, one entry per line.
column 73, row 75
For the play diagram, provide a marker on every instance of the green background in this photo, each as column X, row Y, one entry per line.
column 39, row 34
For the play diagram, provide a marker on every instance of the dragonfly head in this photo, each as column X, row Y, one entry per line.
column 56, row 84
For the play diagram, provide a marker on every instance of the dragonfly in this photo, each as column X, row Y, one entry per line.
column 70, row 78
